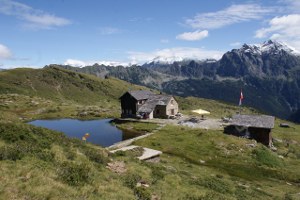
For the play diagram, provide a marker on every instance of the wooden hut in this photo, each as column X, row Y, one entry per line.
column 256, row 127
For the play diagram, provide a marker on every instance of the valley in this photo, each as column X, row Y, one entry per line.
column 268, row 74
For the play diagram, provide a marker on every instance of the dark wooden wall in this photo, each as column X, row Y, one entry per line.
column 261, row 135
column 128, row 103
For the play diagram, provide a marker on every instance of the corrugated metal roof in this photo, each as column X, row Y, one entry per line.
column 256, row 121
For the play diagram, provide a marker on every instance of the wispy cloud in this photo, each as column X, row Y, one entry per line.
column 165, row 41
column 285, row 28
column 235, row 44
column 81, row 63
column 32, row 18
column 5, row 53
column 192, row 36
column 178, row 53
column 292, row 6
column 109, row 30
column 137, row 19
column 231, row 15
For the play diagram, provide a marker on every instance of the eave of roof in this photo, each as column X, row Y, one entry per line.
column 256, row 121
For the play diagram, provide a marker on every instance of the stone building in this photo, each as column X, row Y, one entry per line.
column 146, row 104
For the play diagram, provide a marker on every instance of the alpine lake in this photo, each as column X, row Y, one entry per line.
column 100, row 132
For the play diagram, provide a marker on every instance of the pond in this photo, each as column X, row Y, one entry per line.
column 101, row 132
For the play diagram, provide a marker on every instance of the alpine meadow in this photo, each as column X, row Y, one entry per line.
column 149, row 100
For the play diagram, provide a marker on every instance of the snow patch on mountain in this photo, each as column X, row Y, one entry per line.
column 270, row 46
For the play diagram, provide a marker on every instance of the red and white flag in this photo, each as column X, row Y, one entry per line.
column 241, row 98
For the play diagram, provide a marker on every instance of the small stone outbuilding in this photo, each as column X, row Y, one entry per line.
column 258, row 127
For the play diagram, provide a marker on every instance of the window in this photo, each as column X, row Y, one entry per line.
column 157, row 112
column 172, row 102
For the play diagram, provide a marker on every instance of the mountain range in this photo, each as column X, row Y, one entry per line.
column 268, row 74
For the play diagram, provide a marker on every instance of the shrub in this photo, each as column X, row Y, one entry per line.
column 120, row 153
column 265, row 157
column 96, row 155
column 157, row 174
column 45, row 155
column 74, row 174
column 142, row 193
column 215, row 184
column 12, row 152
column 131, row 179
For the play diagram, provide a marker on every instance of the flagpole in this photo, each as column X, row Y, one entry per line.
column 240, row 103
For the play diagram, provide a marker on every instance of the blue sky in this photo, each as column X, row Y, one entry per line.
column 36, row 33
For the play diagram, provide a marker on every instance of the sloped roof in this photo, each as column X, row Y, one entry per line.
column 256, row 121
column 140, row 94
column 154, row 100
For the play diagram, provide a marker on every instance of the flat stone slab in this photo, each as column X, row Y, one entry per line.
column 147, row 154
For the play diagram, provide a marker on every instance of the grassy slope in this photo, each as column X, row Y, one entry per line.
column 39, row 164
column 210, row 165
column 54, row 92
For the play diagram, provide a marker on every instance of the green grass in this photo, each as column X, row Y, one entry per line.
column 37, row 163
column 140, row 127
column 216, row 108
column 27, row 94
column 213, row 161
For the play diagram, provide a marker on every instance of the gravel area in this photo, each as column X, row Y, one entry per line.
column 193, row 122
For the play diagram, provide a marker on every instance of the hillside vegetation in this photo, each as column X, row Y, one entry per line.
column 54, row 92
column 36, row 163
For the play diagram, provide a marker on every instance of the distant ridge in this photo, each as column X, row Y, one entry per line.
column 269, row 73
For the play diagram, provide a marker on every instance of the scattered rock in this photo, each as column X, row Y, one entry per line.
column 142, row 183
column 155, row 197
column 284, row 125
column 171, row 168
column 83, row 114
column 273, row 148
column 251, row 145
column 277, row 140
column 288, row 183
column 118, row 167
column 153, row 160
column 243, row 185
column 280, row 156
column 202, row 161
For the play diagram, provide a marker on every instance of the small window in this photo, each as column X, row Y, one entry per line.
column 157, row 111
column 172, row 102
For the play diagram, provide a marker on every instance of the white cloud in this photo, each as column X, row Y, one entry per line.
column 33, row 18
column 285, row 28
column 231, row 15
column 235, row 44
column 20, row 66
column 192, row 36
column 80, row 63
column 5, row 52
column 164, row 41
column 171, row 54
column 109, row 30
column 291, row 5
